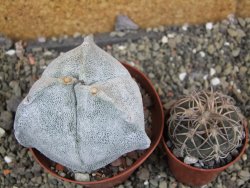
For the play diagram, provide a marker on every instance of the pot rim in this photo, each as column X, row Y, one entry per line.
column 138, row 162
column 213, row 169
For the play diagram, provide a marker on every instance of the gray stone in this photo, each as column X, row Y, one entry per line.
column 13, row 103
column 2, row 132
column 153, row 182
column 163, row 184
column 15, row 87
column 242, row 22
column 5, row 42
column 190, row 160
column 211, row 49
column 232, row 32
column 143, row 174
column 244, row 175
column 236, row 52
column 243, row 70
column 129, row 162
column 6, row 120
column 82, row 177
column 240, row 182
column 123, row 22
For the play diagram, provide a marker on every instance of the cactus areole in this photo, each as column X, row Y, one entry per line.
column 84, row 112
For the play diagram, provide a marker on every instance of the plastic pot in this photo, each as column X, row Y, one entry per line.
column 193, row 176
column 157, row 130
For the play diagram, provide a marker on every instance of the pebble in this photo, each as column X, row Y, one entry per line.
column 41, row 39
column 182, row 76
column 143, row 174
column 202, row 54
column 129, row 162
column 8, row 159
column 82, row 177
column 211, row 49
column 190, row 160
column 215, row 81
column 212, row 71
column 171, row 35
column 146, row 182
column 117, row 162
column 240, row 182
column 153, row 182
column 232, row 32
column 2, row 132
column 209, row 25
column 11, row 52
column 243, row 69
column 185, row 27
column 6, row 120
column 218, row 69
column 244, row 157
column 13, row 103
column 244, row 174
column 62, row 174
column 163, row 184
column 236, row 52
column 123, row 22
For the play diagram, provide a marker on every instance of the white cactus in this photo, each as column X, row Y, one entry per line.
column 84, row 112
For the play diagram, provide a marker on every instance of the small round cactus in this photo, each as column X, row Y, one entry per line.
column 205, row 125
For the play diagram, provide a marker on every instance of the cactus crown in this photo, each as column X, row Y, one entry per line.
column 205, row 125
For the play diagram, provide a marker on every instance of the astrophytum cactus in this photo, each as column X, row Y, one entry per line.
column 206, row 126
column 84, row 112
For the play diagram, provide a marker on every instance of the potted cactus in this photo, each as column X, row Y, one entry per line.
column 85, row 112
column 204, row 134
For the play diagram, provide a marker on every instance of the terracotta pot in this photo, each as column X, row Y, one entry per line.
column 157, row 130
column 193, row 176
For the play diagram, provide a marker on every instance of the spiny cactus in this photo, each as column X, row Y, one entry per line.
column 84, row 112
column 206, row 126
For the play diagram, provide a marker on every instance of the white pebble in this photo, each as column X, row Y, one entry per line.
column 209, row 25
column 226, row 44
column 11, row 52
column 194, row 51
column 131, row 63
column 7, row 159
column 164, row 39
column 48, row 53
column 2, row 132
column 231, row 18
column 185, row 27
column 238, row 90
column 212, row 71
column 190, row 160
column 244, row 157
column 215, row 81
column 182, row 76
column 146, row 182
column 205, row 77
column 121, row 47
column 41, row 39
column 171, row 35
column 202, row 54
column 82, row 177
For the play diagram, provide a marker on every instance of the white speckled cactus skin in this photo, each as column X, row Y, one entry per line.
column 84, row 112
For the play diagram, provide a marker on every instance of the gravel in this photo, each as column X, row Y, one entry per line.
column 183, row 59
